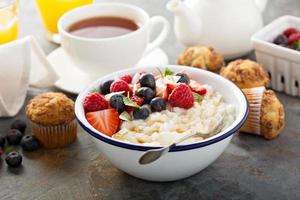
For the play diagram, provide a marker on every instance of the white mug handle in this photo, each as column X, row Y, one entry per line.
column 154, row 21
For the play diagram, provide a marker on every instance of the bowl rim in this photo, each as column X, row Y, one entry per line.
column 102, row 137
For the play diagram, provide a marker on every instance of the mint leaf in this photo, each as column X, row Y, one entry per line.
column 168, row 72
column 128, row 102
column 197, row 97
column 8, row 149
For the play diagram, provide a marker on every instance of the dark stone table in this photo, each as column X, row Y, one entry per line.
column 250, row 168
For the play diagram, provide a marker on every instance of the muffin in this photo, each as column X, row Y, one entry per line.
column 201, row 57
column 266, row 114
column 272, row 115
column 246, row 74
column 52, row 119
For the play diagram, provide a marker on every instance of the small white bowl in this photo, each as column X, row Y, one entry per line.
column 282, row 64
column 184, row 160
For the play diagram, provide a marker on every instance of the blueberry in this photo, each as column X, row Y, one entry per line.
column 281, row 40
column 147, row 93
column 20, row 125
column 14, row 159
column 158, row 104
column 116, row 101
column 183, row 78
column 147, row 80
column 105, row 87
column 2, row 141
column 142, row 112
column 30, row 143
column 14, row 137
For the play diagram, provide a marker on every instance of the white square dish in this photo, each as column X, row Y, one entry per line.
column 282, row 63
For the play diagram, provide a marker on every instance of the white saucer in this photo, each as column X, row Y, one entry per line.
column 73, row 80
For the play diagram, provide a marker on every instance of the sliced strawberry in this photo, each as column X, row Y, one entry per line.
column 197, row 87
column 164, row 95
column 106, row 121
column 136, row 87
column 170, row 87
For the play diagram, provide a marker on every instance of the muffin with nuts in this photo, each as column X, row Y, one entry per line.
column 52, row 119
column 246, row 73
column 201, row 57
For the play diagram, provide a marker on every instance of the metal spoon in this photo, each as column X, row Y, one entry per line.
column 154, row 154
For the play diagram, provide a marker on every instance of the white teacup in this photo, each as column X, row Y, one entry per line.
column 102, row 56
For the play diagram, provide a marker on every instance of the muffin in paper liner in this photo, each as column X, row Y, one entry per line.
column 52, row 118
column 55, row 136
column 254, row 97
column 266, row 113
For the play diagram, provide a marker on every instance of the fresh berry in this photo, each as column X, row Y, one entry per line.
column 105, row 87
column 14, row 137
column 14, row 159
column 294, row 38
column 158, row 104
column 116, row 101
column 183, row 78
column 136, row 77
column 142, row 112
column 136, row 99
column 106, row 121
column 281, row 40
column 181, row 96
column 198, row 88
column 20, row 125
column 127, row 78
column 289, row 32
column 147, row 93
column 2, row 141
column 170, row 87
column 94, row 102
column 147, row 80
column 119, row 86
column 30, row 143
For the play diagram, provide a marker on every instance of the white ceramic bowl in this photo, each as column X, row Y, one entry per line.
column 283, row 64
column 184, row 160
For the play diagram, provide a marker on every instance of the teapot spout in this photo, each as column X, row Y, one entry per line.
column 187, row 24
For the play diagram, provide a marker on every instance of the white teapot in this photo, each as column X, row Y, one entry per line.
column 226, row 25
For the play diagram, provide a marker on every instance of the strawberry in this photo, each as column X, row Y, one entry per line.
column 120, row 85
column 127, row 78
column 95, row 102
column 198, row 88
column 294, row 38
column 138, row 100
column 105, row 121
column 290, row 31
column 181, row 96
column 170, row 87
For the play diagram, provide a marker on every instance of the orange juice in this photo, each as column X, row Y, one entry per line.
column 52, row 10
column 8, row 22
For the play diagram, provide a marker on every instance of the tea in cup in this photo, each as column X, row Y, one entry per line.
column 106, row 37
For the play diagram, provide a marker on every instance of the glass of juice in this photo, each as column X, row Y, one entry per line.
column 8, row 20
column 52, row 10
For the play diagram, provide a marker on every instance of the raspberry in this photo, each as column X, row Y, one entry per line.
column 127, row 78
column 95, row 102
column 294, row 38
column 138, row 100
column 290, row 31
column 181, row 96
column 119, row 86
